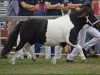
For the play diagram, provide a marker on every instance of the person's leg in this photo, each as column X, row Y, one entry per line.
column 52, row 51
column 58, row 50
column 57, row 55
column 81, row 41
column 37, row 48
column 97, row 48
column 48, row 52
column 93, row 41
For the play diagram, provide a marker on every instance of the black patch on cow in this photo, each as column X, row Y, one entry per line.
column 34, row 30
column 63, row 44
column 73, row 36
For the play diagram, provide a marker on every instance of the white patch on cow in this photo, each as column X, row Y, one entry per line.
column 58, row 30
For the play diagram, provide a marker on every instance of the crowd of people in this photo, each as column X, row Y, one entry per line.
column 56, row 8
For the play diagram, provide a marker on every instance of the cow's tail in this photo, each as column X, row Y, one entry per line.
column 11, row 39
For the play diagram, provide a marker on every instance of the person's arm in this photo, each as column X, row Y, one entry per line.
column 74, row 6
column 61, row 7
column 28, row 6
column 15, row 6
column 49, row 6
column 37, row 6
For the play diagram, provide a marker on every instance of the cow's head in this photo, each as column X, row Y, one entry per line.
column 88, row 13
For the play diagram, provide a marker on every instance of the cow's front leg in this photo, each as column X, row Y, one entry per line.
column 81, row 52
column 72, row 40
column 57, row 55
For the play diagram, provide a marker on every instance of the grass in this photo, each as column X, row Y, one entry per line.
column 42, row 66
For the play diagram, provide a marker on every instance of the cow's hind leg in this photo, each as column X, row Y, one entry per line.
column 28, row 47
column 20, row 46
column 80, row 51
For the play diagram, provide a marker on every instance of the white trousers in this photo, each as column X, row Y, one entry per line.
column 48, row 51
column 81, row 40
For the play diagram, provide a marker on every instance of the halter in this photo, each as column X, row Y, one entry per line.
column 92, row 24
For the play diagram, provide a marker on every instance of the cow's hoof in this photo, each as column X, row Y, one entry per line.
column 85, row 61
column 69, row 61
column 34, row 59
column 54, row 61
column 11, row 60
column 13, row 63
column 82, row 57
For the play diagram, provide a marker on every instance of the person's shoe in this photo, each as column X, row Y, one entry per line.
column 85, row 52
column 69, row 61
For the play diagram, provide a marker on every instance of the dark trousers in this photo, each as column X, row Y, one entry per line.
column 37, row 47
column 52, row 51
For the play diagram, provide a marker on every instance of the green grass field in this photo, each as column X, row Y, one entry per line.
column 43, row 66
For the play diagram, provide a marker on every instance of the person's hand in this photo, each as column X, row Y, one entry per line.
column 70, row 5
column 61, row 7
column 78, row 9
column 58, row 4
column 36, row 8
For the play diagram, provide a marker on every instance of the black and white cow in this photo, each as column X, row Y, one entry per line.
column 49, row 32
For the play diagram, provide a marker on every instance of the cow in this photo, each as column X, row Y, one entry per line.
column 49, row 32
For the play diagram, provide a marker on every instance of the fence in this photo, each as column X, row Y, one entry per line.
column 3, row 7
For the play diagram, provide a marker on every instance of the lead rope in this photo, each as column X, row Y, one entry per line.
column 92, row 24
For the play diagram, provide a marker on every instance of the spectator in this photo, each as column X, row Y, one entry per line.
column 41, row 9
column 53, row 8
column 40, row 12
column 96, row 8
column 27, row 7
